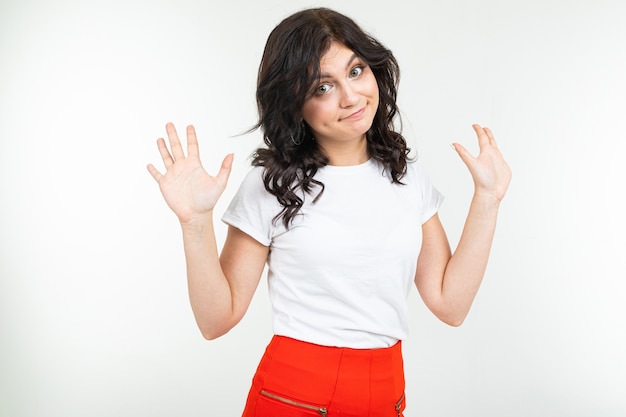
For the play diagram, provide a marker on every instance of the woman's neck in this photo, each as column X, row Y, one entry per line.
column 346, row 154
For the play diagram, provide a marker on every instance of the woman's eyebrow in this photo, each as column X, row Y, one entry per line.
column 350, row 61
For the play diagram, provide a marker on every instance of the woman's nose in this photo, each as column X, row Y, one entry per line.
column 349, row 97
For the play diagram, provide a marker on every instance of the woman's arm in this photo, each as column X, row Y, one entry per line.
column 448, row 282
column 220, row 290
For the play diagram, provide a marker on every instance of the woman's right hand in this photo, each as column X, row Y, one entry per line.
column 187, row 188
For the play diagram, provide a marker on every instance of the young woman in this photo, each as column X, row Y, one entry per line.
column 345, row 221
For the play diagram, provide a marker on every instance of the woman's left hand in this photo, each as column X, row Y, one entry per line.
column 489, row 170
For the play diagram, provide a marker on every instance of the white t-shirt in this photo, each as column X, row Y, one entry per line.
column 342, row 272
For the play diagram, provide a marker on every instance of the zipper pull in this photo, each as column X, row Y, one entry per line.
column 399, row 405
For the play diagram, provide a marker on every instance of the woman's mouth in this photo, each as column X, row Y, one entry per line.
column 356, row 114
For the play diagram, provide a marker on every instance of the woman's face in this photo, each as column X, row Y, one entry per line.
column 344, row 103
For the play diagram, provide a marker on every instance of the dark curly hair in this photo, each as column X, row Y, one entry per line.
column 288, row 73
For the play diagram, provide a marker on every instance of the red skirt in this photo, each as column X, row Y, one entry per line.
column 299, row 379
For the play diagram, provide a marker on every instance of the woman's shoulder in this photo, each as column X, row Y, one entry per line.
column 253, row 178
column 417, row 174
column 414, row 168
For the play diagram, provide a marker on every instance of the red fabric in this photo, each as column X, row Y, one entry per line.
column 298, row 379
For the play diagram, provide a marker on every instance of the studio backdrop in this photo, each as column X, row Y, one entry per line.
column 94, row 315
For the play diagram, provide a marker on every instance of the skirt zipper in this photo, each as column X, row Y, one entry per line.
column 322, row 410
column 399, row 405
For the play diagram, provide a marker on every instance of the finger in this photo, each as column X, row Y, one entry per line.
column 177, row 149
column 165, row 153
column 192, row 142
column 466, row 157
column 155, row 173
column 225, row 169
column 483, row 139
column 492, row 139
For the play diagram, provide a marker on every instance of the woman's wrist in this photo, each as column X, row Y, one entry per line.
column 197, row 223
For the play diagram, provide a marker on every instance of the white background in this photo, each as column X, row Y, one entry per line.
column 94, row 314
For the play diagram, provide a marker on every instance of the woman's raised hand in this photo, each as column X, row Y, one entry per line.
column 187, row 188
column 489, row 170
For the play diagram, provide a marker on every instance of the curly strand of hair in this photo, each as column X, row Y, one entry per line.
column 289, row 177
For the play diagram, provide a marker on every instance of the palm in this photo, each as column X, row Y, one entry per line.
column 489, row 170
column 187, row 188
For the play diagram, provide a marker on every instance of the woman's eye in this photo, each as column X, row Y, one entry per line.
column 322, row 89
column 356, row 71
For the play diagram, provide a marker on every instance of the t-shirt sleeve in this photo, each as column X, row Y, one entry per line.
column 431, row 197
column 253, row 209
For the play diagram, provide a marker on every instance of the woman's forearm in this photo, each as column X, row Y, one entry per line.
column 466, row 268
column 209, row 291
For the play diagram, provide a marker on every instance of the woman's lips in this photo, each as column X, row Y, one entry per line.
column 356, row 114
